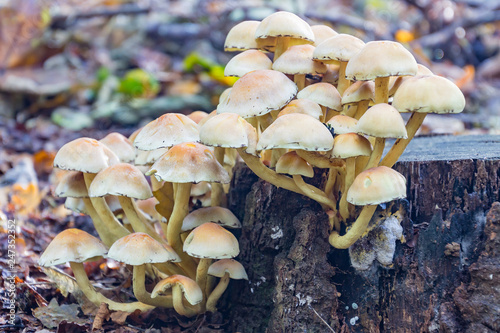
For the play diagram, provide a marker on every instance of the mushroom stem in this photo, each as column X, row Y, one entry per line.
column 179, row 212
column 355, row 232
column 104, row 234
column 362, row 107
column 324, row 112
column 350, row 110
column 217, row 293
column 399, row 146
column 381, row 89
column 320, row 161
column 155, row 184
column 378, row 150
column 330, row 114
column 97, row 298
column 137, row 223
column 179, row 306
column 116, row 229
column 314, row 193
column 282, row 44
column 330, row 182
column 201, row 274
column 139, row 286
column 349, row 178
column 217, row 196
column 300, row 81
column 343, row 83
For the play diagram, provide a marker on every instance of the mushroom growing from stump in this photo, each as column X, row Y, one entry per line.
column 225, row 269
column 180, row 285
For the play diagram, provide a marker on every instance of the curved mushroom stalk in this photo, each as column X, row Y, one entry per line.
column 356, row 231
column 181, row 285
column 349, row 178
column 217, row 293
column 314, row 193
column 139, row 286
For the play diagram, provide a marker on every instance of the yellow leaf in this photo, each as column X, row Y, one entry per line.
column 165, row 197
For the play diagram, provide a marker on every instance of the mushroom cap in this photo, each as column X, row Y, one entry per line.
column 197, row 116
column 148, row 157
column 234, row 268
column 332, row 74
column 167, row 130
column 284, row 24
column 257, row 93
column 296, row 131
column 120, row 145
column 200, row 188
column 121, row 179
column 72, row 185
column 321, row 33
column 377, row 185
column 192, row 292
column 247, row 61
column 304, row 106
column 218, row 215
column 395, row 81
column 229, row 130
column 72, row 245
column 380, row 59
column 76, row 205
column 343, row 124
column 210, row 240
column 429, row 94
column 322, row 93
column 189, row 162
column 298, row 59
column 359, row 91
column 85, row 155
column 292, row 164
column 242, row 37
column 383, row 121
column 139, row 248
column 341, row 47
column 351, row 145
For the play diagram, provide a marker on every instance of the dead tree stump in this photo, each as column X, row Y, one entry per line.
column 444, row 278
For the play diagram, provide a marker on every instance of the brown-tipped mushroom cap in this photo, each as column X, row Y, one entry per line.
column 121, row 179
column 292, row 164
column 166, row 131
column 382, row 121
column 257, row 93
column 296, row 131
column 234, row 268
column 321, row 33
column 342, row 124
column 341, row 47
column 72, row 245
column 120, row 145
column 377, row 185
column 72, row 185
column 359, row 91
column 216, row 214
column 139, row 248
column 210, row 240
column 429, row 94
column 351, row 145
column 229, row 130
column 189, row 163
column 241, row 37
column 192, row 292
column 85, row 155
column 245, row 62
column 381, row 59
column 284, row 24
column 304, row 106
column 322, row 93
column 298, row 59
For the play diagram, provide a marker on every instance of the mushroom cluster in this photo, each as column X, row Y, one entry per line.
column 325, row 101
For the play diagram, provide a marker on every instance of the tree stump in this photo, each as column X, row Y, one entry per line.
column 444, row 278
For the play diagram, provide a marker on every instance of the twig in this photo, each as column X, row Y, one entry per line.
column 317, row 314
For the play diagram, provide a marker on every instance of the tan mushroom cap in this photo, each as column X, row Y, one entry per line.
column 234, row 268
column 167, row 130
column 76, row 205
column 210, row 240
column 218, row 215
column 380, row 59
column 429, row 94
column 395, row 81
column 120, row 145
column 296, row 131
column 200, row 188
column 377, row 185
column 304, row 106
column 343, row 124
column 197, row 116
column 383, row 121
column 139, row 248
column 359, row 91
column 292, row 164
column 351, row 145
column 247, row 61
column 241, row 37
column 321, row 33
column 229, row 130
column 341, row 47
column 132, row 136
column 121, row 179
column 72, row 185
column 85, row 155
column 257, row 93
column 322, row 93
column 72, row 245
column 298, row 59
column 192, row 292
column 148, row 157
column 189, row 163
column 284, row 24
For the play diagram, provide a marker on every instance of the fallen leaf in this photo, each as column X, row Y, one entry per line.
column 53, row 314
column 101, row 317
column 120, row 317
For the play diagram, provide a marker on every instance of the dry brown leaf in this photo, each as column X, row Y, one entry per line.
column 165, row 197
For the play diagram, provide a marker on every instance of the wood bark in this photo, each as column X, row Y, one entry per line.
column 444, row 277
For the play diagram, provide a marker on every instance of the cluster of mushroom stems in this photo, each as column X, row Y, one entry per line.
column 306, row 98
